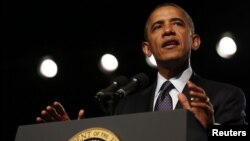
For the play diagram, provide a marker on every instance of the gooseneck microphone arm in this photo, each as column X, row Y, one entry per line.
column 103, row 98
column 108, row 91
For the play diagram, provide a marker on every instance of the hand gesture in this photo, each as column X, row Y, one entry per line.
column 200, row 104
column 56, row 112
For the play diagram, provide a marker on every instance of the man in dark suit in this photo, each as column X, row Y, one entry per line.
column 170, row 37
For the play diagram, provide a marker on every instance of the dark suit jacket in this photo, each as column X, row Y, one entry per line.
column 229, row 101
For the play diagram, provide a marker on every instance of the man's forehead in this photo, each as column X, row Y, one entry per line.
column 166, row 12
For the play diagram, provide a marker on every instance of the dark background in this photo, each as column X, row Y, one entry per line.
column 77, row 33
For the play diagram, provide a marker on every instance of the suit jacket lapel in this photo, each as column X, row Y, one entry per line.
column 145, row 102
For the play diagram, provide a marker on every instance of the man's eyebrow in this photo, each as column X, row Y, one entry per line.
column 172, row 20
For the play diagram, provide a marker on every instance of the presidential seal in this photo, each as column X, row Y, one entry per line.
column 95, row 134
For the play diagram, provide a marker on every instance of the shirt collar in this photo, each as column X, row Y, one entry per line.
column 179, row 81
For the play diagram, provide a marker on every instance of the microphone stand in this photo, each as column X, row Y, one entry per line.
column 107, row 102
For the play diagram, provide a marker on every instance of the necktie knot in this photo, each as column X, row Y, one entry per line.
column 165, row 89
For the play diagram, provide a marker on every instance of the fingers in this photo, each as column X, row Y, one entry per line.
column 194, row 87
column 197, row 93
column 200, row 104
column 53, row 113
column 56, row 112
column 81, row 114
column 194, row 104
column 184, row 101
column 40, row 120
column 45, row 114
column 199, row 98
column 204, row 106
column 59, row 108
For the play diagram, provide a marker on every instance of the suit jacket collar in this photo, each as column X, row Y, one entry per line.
column 146, row 97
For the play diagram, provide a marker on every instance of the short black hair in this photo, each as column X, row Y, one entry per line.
column 190, row 20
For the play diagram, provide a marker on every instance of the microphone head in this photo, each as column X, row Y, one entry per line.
column 142, row 79
column 121, row 80
column 138, row 81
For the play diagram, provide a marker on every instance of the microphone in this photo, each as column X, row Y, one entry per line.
column 108, row 91
column 140, row 80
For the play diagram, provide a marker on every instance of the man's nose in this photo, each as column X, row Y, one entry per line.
column 168, row 30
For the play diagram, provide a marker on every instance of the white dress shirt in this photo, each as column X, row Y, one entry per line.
column 179, row 83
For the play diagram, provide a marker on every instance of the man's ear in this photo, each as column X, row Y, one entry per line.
column 146, row 49
column 196, row 42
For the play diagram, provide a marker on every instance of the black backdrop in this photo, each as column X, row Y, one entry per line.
column 77, row 33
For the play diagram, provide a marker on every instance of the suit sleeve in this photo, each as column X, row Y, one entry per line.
column 230, row 105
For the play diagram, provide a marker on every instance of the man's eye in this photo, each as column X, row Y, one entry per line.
column 178, row 23
column 156, row 27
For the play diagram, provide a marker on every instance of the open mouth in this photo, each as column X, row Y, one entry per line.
column 170, row 44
